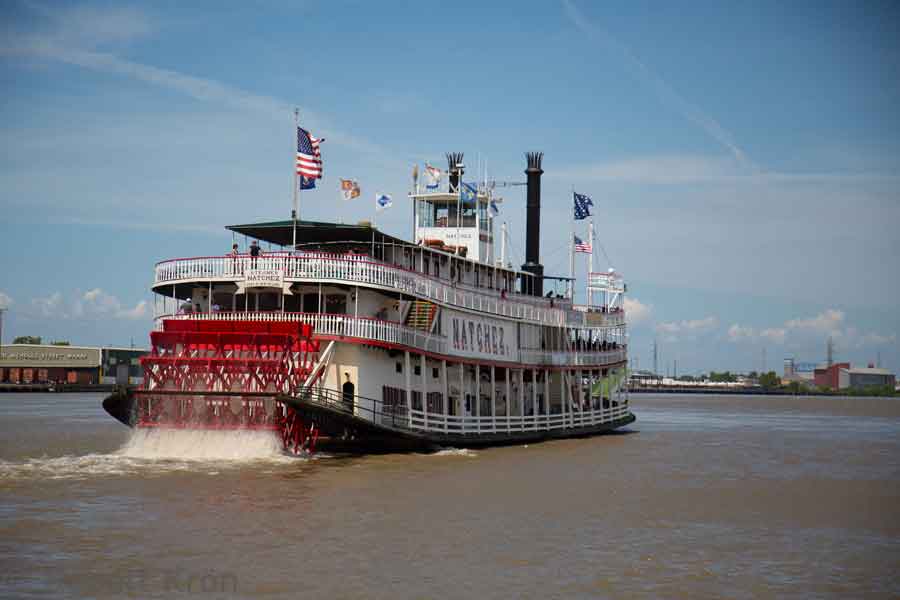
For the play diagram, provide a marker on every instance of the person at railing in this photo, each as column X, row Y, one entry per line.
column 255, row 252
column 348, row 391
column 235, row 259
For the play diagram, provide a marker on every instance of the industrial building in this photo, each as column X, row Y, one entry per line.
column 827, row 376
column 837, row 376
column 86, row 365
column 859, row 377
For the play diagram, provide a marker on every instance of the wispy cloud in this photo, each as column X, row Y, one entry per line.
column 738, row 333
column 78, row 36
column 665, row 92
column 811, row 330
column 698, row 169
column 91, row 305
column 673, row 331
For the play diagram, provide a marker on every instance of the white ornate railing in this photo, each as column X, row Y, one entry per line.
column 574, row 359
column 503, row 424
column 362, row 270
column 402, row 417
column 592, row 316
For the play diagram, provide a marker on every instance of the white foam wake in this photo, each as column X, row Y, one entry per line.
column 456, row 452
column 157, row 452
column 202, row 445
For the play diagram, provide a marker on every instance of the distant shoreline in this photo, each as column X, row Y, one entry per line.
column 37, row 388
column 750, row 392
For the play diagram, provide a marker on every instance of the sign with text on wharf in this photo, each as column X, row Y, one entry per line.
column 482, row 337
column 21, row 355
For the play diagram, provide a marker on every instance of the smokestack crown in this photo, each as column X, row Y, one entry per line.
column 455, row 169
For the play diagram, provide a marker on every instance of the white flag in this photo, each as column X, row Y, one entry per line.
column 433, row 175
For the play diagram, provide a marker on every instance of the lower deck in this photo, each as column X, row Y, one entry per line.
column 339, row 420
column 434, row 395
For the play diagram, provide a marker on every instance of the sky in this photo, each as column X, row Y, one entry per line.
column 743, row 158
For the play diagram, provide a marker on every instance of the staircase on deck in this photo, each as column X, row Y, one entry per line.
column 421, row 315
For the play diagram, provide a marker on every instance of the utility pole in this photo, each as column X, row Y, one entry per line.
column 763, row 370
column 675, row 370
column 655, row 357
column 2, row 310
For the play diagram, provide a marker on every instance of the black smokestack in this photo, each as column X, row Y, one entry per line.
column 533, row 229
column 455, row 169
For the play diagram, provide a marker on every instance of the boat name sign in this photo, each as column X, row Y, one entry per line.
column 263, row 278
column 483, row 337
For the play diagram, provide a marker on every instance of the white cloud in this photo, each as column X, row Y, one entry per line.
column 91, row 305
column 738, row 333
column 774, row 334
column 831, row 322
column 876, row 339
column 687, row 329
column 636, row 312
column 97, row 303
column 5, row 300
column 695, row 325
column 826, row 322
column 50, row 307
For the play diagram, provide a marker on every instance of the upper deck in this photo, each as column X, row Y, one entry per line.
column 477, row 287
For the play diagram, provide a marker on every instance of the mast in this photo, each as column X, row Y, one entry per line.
column 503, row 245
column 590, row 292
column 572, row 264
column 572, row 256
column 296, row 186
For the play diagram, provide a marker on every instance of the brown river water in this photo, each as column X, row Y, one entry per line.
column 703, row 497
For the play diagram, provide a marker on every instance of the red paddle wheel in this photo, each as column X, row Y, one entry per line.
column 227, row 375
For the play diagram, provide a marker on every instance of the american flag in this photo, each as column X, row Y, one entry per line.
column 309, row 159
column 580, row 246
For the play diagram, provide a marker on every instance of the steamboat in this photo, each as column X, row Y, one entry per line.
column 352, row 338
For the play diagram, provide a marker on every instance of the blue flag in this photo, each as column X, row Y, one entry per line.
column 468, row 193
column 383, row 202
column 307, row 183
column 583, row 206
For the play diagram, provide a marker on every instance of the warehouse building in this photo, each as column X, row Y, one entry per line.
column 859, row 377
column 86, row 365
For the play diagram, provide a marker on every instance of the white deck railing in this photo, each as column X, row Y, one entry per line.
column 574, row 359
column 363, row 270
column 503, row 424
column 592, row 316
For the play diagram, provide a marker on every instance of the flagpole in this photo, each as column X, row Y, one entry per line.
column 590, row 292
column 296, row 186
column 572, row 252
